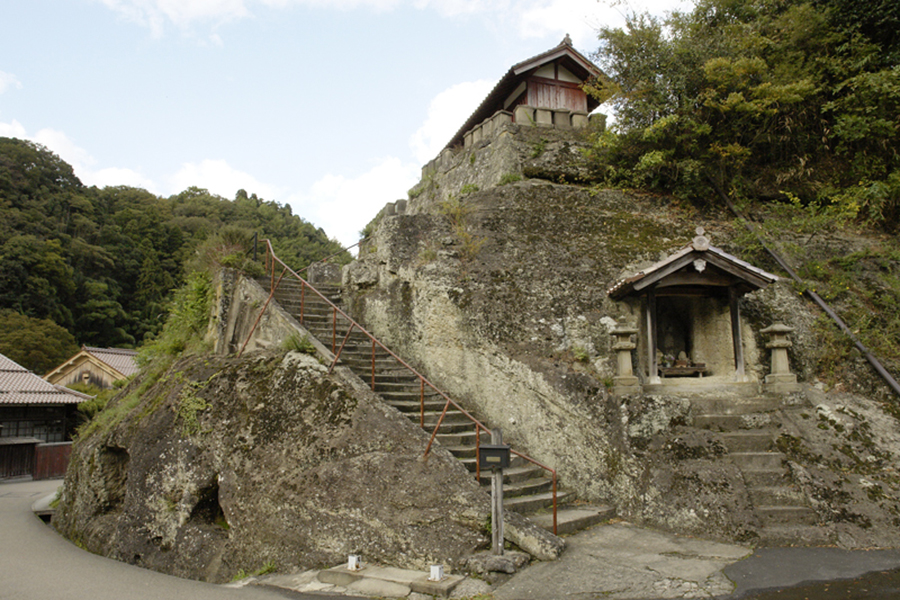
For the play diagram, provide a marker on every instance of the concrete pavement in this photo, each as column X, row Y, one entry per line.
column 623, row 561
column 36, row 563
column 616, row 561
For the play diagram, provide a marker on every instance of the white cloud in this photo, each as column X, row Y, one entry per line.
column 182, row 13
column 7, row 81
column 113, row 176
column 578, row 18
column 342, row 206
column 66, row 149
column 343, row 5
column 446, row 113
column 527, row 18
column 79, row 158
column 452, row 8
column 220, row 178
column 14, row 130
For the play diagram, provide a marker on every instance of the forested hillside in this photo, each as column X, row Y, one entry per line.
column 791, row 109
column 102, row 263
column 792, row 101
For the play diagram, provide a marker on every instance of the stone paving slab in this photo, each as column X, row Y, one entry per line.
column 620, row 561
column 389, row 582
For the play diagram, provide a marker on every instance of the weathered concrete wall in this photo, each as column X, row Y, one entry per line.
column 238, row 320
column 512, row 152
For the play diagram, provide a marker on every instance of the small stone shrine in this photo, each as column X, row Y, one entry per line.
column 691, row 320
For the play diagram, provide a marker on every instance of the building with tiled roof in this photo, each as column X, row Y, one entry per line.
column 100, row 367
column 31, row 407
column 547, row 89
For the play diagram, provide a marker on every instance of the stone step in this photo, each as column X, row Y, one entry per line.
column 786, row 515
column 411, row 384
column 532, row 487
column 795, row 535
column 363, row 366
column 748, row 440
column 765, row 477
column 291, row 285
column 734, row 406
column 413, row 406
column 732, row 422
column 529, row 504
column 758, row 460
column 469, row 463
column 389, row 582
column 365, row 353
column 448, row 428
column 572, row 519
column 310, row 301
column 776, row 495
column 462, row 438
column 515, row 474
column 453, row 417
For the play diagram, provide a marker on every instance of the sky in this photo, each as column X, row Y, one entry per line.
column 328, row 106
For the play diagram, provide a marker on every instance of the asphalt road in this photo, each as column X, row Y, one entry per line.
column 38, row 564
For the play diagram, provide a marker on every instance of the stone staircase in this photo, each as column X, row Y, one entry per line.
column 527, row 489
column 748, row 427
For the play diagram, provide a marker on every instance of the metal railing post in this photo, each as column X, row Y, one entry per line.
column 477, row 454
column 555, row 531
column 422, row 403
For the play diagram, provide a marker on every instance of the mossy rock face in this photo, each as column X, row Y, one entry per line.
column 267, row 459
column 500, row 295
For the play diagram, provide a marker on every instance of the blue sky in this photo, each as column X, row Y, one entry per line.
column 330, row 106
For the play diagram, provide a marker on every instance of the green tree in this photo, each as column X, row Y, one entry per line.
column 39, row 345
column 768, row 99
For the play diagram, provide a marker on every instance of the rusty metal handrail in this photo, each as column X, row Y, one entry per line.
column 271, row 259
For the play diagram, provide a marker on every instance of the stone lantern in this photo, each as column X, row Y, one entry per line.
column 780, row 380
column 624, row 382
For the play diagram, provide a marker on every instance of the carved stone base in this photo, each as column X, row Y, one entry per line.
column 781, row 383
column 626, row 385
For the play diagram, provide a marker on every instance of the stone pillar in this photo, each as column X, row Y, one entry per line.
column 543, row 117
column 524, row 115
column 446, row 159
column 579, row 120
column 476, row 134
column 501, row 118
column 562, row 118
column 624, row 382
column 780, row 380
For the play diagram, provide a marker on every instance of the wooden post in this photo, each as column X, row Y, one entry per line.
column 735, row 310
column 497, row 500
column 652, row 341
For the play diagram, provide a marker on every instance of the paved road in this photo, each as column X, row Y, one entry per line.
column 37, row 564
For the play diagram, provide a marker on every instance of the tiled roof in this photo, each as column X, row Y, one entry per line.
column 18, row 385
column 511, row 79
column 117, row 358
column 700, row 248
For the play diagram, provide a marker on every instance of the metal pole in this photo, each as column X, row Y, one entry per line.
column 497, row 500
column 867, row 354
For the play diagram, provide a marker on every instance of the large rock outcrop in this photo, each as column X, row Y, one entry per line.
column 499, row 295
column 229, row 465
